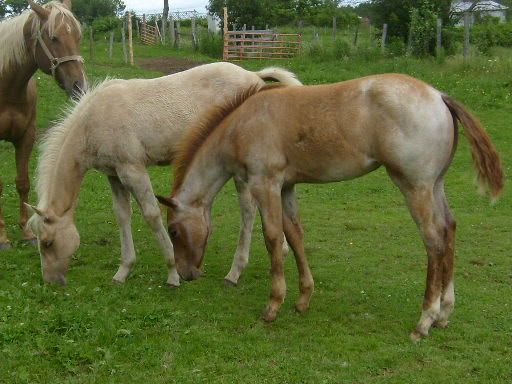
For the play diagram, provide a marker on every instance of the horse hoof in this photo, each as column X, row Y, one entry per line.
column 172, row 286
column 269, row 316
column 301, row 307
column 117, row 281
column 441, row 323
column 416, row 336
column 30, row 242
column 5, row 246
column 229, row 283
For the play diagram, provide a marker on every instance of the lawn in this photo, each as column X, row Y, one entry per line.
column 365, row 253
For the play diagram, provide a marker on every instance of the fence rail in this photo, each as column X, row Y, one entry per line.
column 241, row 45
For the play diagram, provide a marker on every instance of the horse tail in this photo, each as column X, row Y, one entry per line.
column 278, row 74
column 485, row 157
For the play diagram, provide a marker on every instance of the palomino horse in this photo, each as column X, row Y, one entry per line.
column 121, row 128
column 47, row 38
column 326, row 133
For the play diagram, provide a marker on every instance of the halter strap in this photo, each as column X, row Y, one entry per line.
column 56, row 61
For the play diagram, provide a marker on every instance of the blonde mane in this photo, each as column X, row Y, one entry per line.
column 199, row 133
column 52, row 142
column 12, row 41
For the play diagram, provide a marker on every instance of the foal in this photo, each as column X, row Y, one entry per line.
column 317, row 134
column 120, row 128
column 47, row 37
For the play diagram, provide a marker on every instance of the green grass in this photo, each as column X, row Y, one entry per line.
column 365, row 253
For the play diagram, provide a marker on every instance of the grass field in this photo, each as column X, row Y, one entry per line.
column 365, row 253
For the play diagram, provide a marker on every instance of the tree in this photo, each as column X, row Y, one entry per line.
column 84, row 10
column 397, row 14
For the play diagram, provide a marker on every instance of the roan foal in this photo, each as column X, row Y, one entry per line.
column 120, row 128
column 46, row 37
column 316, row 134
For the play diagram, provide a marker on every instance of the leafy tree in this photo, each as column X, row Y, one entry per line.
column 397, row 14
column 84, row 10
column 279, row 12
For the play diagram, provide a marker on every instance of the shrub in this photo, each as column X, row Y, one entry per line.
column 341, row 49
column 211, row 44
column 106, row 24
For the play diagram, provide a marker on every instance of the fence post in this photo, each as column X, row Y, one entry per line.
column 177, row 37
column 225, row 27
column 384, row 35
column 165, row 16
column 137, row 27
column 194, row 33
column 111, row 45
column 356, row 34
column 408, row 51
column 91, row 43
column 123, row 36
column 130, row 37
column 439, row 36
column 466, row 35
column 334, row 27
column 171, row 30
column 143, row 25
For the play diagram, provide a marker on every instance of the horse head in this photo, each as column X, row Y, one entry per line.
column 189, row 229
column 55, row 36
column 57, row 239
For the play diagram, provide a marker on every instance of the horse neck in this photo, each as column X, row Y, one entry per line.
column 14, row 77
column 63, row 181
column 205, row 176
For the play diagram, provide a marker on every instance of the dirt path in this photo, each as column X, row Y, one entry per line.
column 167, row 65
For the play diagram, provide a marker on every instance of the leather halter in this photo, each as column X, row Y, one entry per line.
column 56, row 61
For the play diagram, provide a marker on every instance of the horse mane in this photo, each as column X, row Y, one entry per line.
column 52, row 141
column 199, row 133
column 12, row 41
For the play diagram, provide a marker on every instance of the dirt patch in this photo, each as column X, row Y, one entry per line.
column 168, row 65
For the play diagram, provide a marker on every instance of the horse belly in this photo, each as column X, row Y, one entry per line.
column 324, row 169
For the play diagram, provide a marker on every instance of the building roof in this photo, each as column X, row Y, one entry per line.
column 484, row 5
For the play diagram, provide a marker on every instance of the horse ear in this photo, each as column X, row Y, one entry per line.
column 169, row 202
column 67, row 4
column 36, row 211
column 42, row 12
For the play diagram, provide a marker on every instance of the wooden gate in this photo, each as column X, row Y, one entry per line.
column 242, row 45
column 149, row 34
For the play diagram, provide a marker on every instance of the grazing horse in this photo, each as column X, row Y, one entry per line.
column 47, row 37
column 325, row 133
column 120, row 128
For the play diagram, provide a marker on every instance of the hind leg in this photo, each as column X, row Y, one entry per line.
column 448, row 292
column 428, row 211
column 295, row 236
column 4, row 240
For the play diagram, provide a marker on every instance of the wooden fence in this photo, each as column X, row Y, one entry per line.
column 149, row 34
column 241, row 45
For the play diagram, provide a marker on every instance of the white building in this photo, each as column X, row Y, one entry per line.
column 482, row 8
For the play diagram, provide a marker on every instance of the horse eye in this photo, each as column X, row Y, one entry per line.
column 54, row 39
column 48, row 243
column 173, row 233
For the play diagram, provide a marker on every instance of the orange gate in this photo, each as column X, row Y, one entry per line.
column 241, row 45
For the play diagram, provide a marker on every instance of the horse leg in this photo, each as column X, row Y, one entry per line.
column 123, row 211
column 430, row 218
column 295, row 235
column 448, row 293
column 4, row 240
column 268, row 198
column 247, row 213
column 23, row 149
column 136, row 180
